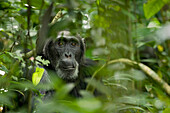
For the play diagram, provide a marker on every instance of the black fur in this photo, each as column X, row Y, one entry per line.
column 85, row 66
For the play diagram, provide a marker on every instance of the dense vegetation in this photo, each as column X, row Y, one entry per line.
column 130, row 40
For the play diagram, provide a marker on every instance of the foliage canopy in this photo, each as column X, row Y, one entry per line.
column 137, row 30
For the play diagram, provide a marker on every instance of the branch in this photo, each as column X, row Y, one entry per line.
column 58, row 15
column 43, row 31
column 30, row 54
column 143, row 67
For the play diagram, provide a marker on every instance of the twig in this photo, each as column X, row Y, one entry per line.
column 57, row 16
column 143, row 67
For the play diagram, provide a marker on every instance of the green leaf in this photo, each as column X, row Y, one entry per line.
column 167, row 110
column 44, row 62
column 154, row 23
column 89, row 105
column 64, row 90
column 98, row 2
column 37, row 75
column 149, row 60
column 153, row 6
column 3, row 68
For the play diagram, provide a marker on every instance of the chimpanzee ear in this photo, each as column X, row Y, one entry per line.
column 46, row 49
column 83, row 40
column 83, row 43
column 83, row 49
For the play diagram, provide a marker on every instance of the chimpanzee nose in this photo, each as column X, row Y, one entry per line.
column 68, row 55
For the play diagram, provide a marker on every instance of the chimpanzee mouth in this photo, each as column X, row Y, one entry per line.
column 68, row 68
column 67, row 71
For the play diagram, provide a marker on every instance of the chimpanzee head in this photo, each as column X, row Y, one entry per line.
column 66, row 54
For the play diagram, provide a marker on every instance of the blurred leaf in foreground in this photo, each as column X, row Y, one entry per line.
column 37, row 75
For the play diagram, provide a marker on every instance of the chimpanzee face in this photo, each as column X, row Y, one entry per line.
column 65, row 55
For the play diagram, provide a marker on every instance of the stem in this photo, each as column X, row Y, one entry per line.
column 143, row 67
column 28, row 37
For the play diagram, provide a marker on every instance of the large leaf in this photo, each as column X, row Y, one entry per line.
column 37, row 75
column 153, row 6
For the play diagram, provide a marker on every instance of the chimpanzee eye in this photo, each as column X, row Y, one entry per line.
column 60, row 43
column 73, row 44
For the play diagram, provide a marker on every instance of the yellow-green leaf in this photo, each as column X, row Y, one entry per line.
column 37, row 75
column 160, row 48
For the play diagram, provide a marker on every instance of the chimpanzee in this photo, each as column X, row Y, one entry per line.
column 66, row 56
